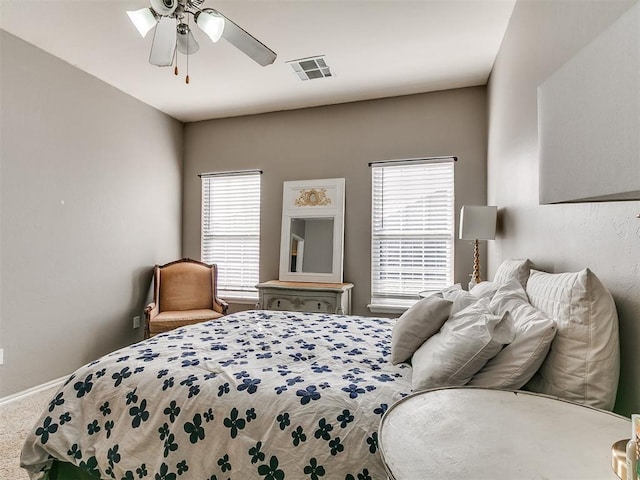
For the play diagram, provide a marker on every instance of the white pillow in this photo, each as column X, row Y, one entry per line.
column 417, row 324
column 534, row 331
column 583, row 364
column 461, row 298
column 464, row 344
column 513, row 268
column 452, row 290
column 485, row 290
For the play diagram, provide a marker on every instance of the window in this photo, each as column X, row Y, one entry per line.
column 412, row 232
column 231, row 230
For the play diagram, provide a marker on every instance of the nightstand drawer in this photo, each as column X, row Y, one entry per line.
column 319, row 304
column 277, row 302
column 299, row 303
column 305, row 297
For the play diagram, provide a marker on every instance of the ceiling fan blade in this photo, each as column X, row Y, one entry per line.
column 164, row 43
column 247, row 43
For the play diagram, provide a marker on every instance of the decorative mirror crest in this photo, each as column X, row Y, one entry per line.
column 313, row 197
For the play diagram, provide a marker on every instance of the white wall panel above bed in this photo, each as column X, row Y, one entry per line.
column 589, row 120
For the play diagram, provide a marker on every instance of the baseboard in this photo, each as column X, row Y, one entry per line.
column 31, row 391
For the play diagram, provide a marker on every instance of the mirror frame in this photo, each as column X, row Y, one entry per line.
column 308, row 199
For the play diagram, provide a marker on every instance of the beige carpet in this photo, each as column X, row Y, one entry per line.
column 16, row 420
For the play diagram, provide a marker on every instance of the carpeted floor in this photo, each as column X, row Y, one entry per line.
column 16, row 420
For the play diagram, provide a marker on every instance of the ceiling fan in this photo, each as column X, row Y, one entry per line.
column 173, row 31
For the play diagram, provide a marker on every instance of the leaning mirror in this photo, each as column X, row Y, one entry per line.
column 312, row 235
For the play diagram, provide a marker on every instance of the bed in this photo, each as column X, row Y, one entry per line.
column 271, row 395
column 258, row 395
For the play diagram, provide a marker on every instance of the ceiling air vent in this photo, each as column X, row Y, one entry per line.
column 310, row 68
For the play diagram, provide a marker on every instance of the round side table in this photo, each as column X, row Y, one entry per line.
column 487, row 434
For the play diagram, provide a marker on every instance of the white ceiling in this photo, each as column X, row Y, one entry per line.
column 376, row 49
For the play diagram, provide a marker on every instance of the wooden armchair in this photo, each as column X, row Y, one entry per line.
column 184, row 292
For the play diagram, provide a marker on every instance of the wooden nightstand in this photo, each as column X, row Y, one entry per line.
column 305, row 296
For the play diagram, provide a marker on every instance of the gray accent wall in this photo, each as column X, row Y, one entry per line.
column 542, row 36
column 90, row 200
column 338, row 141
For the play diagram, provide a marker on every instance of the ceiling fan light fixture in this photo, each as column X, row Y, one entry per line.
column 186, row 42
column 164, row 7
column 169, row 19
column 211, row 23
column 143, row 19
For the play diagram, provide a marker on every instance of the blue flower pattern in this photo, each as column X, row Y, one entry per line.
column 315, row 382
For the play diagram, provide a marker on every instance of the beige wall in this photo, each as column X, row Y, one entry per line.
column 90, row 199
column 605, row 237
column 339, row 141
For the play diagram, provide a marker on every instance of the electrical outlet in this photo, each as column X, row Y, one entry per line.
column 136, row 321
column 1, row 356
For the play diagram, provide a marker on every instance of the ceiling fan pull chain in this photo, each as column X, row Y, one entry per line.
column 186, row 79
column 175, row 59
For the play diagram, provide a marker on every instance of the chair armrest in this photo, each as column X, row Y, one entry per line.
column 150, row 312
column 220, row 305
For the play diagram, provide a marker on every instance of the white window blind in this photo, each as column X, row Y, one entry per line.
column 231, row 229
column 412, row 227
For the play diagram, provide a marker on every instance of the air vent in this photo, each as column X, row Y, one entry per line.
column 310, row 68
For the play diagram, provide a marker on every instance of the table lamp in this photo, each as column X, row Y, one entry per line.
column 477, row 223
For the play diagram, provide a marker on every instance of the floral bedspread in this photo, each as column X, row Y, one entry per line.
column 255, row 395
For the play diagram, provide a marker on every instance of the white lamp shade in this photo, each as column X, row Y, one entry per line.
column 211, row 23
column 185, row 41
column 478, row 222
column 143, row 19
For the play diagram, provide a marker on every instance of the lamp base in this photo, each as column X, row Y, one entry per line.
column 475, row 277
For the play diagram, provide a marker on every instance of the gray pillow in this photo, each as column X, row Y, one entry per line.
column 416, row 325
